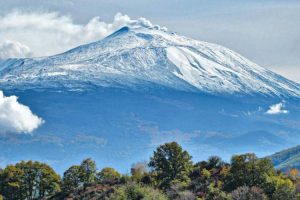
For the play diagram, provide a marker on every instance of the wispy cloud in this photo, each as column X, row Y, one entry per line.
column 158, row 136
column 85, row 139
column 277, row 109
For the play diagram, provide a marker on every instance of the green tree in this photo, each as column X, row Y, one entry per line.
column 48, row 182
column 108, row 176
column 248, row 170
column 88, row 171
column 71, row 179
column 12, row 183
column 171, row 164
column 29, row 180
column 214, row 162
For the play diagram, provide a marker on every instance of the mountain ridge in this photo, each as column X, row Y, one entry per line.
column 287, row 158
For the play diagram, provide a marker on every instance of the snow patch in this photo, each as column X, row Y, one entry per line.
column 74, row 67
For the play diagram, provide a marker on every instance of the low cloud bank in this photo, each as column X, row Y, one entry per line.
column 51, row 33
column 16, row 117
column 11, row 49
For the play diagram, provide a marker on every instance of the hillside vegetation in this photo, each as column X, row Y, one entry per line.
column 286, row 159
column 169, row 174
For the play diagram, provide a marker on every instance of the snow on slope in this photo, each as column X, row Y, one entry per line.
column 143, row 53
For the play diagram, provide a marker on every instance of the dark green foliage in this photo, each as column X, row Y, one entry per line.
column 248, row 170
column 87, row 171
column 171, row 164
column 29, row 180
column 79, row 175
column 72, row 179
column 108, row 176
column 125, row 179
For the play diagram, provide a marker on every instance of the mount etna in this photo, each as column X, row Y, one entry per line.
column 116, row 99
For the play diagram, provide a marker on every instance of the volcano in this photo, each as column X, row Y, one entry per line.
column 116, row 99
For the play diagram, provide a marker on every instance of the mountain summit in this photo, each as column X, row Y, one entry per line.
column 141, row 54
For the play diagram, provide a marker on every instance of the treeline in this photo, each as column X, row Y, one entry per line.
column 170, row 174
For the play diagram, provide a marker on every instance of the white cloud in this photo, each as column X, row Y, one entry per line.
column 51, row 33
column 277, row 109
column 11, row 49
column 16, row 117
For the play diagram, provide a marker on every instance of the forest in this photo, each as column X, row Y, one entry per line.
column 170, row 173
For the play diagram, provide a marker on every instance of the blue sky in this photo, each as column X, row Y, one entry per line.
column 265, row 31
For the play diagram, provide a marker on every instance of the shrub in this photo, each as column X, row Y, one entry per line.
column 247, row 193
column 137, row 192
column 178, row 192
column 279, row 188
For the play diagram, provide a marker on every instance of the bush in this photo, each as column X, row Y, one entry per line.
column 247, row 193
column 215, row 193
column 178, row 192
column 279, row 188
column 137, row 192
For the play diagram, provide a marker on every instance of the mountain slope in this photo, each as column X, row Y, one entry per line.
column 288, row 158
column 137, row 55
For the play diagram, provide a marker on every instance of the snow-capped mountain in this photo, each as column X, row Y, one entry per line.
column 116, row 99
column 139, row 55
